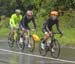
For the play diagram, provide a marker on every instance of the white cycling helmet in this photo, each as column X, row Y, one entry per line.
column 18, row 11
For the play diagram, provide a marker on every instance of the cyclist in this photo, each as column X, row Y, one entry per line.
column 25, row 21
column 14, row 21
column 47, row 26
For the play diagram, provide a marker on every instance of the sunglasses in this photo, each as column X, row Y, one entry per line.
column 29, row 15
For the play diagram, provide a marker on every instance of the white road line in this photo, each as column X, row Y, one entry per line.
column 39, row 56
column 69, row 47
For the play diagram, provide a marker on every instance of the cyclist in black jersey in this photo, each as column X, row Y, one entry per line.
column 24, row 24
column 26, row 20
column 50, row 22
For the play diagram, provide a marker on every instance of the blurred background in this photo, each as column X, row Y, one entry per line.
column 41, row 8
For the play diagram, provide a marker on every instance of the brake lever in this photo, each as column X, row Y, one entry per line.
column 60, row 34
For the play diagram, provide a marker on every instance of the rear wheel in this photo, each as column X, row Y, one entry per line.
column 56, row 47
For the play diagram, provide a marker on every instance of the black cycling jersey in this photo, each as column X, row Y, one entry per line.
column 24, row 22
column 49, row 23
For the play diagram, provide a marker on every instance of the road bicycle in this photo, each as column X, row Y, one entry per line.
column 26, row 41
column 12, row 39
column 51, row 45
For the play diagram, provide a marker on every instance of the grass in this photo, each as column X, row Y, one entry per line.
column 68, row 37
column 4, row 32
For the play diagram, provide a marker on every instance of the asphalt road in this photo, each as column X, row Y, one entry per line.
column 14, row 56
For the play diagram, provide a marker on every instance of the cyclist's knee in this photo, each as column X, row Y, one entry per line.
column 46, row 36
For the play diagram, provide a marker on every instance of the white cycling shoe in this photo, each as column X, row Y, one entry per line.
column 52, row 50
column 29, row 46
column 21, row 39
column 42, row 46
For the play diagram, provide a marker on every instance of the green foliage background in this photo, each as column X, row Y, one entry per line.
column 41, row 10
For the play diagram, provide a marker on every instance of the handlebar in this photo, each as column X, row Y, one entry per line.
column 59, row 33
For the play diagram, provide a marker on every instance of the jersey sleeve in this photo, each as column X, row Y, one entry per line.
column 45, row 23
column 57, row 25
column 21, row 17
column 34, row 23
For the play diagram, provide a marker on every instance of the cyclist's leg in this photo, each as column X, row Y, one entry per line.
column 46, row 35
column 45, row 38
column 27, row 31
column 24, row 32
column 27, row 36
column 52, row 45
column 12, row 32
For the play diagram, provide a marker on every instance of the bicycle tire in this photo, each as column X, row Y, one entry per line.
column 31, row 42
column 56, row 47
column 19, row 44
column 43, row 52
column 10, row 41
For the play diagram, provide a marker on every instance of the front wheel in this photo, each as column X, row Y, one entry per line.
column 31, row 44
column 43, row 48
column 55, row 48
column 10, row 41
column 20, row 43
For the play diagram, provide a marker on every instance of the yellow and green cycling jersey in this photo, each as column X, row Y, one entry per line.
column 15, row 20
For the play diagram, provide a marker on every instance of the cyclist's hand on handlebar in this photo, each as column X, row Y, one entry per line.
column 50, row 33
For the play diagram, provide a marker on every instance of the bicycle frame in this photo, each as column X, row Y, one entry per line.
column 16, row 33
column 48, row 47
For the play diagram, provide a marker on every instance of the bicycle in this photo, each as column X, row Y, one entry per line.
column 12, row 40
column 50, row 44
column 26, row 40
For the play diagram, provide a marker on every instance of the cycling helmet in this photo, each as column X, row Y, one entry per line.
column 54, row 13
column 18, row 11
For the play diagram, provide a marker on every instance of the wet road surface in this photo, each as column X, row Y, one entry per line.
column 14, row 56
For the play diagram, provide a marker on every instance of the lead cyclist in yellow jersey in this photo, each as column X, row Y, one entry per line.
column 14, row 21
